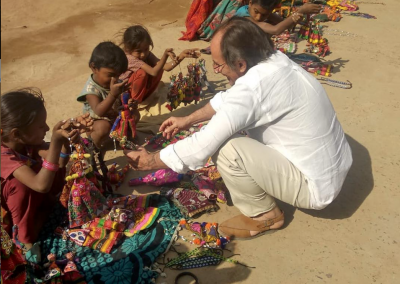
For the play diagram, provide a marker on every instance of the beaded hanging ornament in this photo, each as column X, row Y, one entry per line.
column 285, row 42
column 116, row 177
column 186, row 89
column 85, row 200
column 124, row 127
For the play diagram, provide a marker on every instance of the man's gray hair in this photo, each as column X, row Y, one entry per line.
column 242, row 39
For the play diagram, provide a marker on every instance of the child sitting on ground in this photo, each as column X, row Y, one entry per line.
column 101, row 94
column 32, row 171
column 260, row 12
column 145, row 69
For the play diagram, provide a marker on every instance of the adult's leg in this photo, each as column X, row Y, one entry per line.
column 255, row 174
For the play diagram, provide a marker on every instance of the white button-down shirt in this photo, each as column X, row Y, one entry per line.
column 282, row 106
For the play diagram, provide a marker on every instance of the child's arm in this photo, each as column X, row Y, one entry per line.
column 101, row 108
column 43, row 180
column 282, row 26
column 154, row 71
column 187, row 53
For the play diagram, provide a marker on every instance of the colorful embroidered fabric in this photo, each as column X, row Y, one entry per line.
column 198, row 13
column 158, row 178
column 222, row 12
column 205, row 186
column 191, row 202
column 85, row 203
column 125, row 263
column 12, row 262
column 102, row 239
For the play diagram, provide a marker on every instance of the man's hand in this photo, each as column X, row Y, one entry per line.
column 173, row 125
column 141, row 160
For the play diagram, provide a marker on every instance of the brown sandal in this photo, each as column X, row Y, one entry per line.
column 239, row 227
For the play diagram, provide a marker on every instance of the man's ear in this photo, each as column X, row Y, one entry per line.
column 241, row 66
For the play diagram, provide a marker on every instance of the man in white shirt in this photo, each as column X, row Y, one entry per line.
column 296, row 150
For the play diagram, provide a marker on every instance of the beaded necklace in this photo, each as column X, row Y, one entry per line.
column 335, row 83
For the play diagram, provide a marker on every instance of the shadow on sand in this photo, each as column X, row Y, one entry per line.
column 357, row 186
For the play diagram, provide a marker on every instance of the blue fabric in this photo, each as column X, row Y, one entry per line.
column 124, row 265
column 243, row 11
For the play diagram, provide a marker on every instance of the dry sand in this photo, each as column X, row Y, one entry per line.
column 47, row 44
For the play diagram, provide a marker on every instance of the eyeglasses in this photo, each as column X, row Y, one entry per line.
column 218, row 67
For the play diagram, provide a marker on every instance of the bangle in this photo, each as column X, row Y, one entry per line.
column 50, row 166
column 64, row 155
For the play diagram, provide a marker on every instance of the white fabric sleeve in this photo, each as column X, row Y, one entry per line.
column 240, row 109
column 216, row 102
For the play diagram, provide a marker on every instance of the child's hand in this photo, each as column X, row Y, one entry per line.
column 83, row 123
column 59, row 134
column 170, row 52
column 117, row 89
column 189, row 53
column 309, row 8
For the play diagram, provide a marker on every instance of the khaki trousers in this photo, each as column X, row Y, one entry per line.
column 255, row 174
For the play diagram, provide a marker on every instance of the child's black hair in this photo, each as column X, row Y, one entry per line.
column 134, row 36
column 109, row 55
column 19, row 109
column 267, row 4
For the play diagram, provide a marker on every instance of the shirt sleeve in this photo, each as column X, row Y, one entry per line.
column 236, row 109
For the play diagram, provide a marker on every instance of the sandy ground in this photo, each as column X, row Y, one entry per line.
column 47, row 44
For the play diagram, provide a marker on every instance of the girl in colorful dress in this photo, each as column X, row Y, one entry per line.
column 32, row 172
column 144, row 68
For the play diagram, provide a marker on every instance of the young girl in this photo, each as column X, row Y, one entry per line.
column 260, row 12
column 32, row 172
column 144, row 68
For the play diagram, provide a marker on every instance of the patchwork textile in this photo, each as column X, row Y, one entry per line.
column 124, row 264
column 85, row 202
column 191, row 202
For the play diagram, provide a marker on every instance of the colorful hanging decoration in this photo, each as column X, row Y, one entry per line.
column 116, row 177
column 285, row 42
column 85, row 200
column 186, row 89
column 124, row 126
column 205, row 234
column 311, row 31
column 321, row 49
